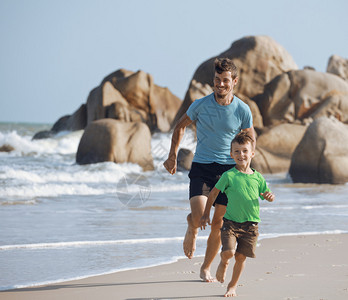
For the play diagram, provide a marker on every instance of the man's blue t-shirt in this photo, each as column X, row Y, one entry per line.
column 217, row 125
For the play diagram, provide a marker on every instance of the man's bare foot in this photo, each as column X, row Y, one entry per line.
column 221, row 271
column 206, row 276
column 231, row 292
column 190, row 242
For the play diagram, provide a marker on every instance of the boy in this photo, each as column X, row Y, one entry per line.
column 239, row 232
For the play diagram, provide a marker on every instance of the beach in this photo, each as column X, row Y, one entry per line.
column 69, row 230
column 291, row 267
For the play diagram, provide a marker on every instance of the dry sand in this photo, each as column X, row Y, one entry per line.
column 297, row 267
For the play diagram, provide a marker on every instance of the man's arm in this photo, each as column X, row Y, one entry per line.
column 251, row 132
column 171, row 163
column 211, row 199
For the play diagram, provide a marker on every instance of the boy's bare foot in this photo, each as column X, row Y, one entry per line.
column 221, row 271
column 190, row 243
column 231, row 292
column 206, row 276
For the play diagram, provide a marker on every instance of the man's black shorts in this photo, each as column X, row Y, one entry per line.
column 203, row 178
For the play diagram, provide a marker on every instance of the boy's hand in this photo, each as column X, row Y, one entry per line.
column 204, row 221
column 268, row 196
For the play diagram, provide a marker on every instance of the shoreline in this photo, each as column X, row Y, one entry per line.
column 288, row 267
column 169, row 261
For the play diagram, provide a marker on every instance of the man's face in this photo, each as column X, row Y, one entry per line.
column 223, row 83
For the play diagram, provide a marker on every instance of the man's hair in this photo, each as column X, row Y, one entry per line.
column 225, row 64
column 242, row 138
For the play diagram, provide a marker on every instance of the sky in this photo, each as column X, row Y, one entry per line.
column 53, row 53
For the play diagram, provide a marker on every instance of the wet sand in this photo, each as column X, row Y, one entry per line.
column 296, row 267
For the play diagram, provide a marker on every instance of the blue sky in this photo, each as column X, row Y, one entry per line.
column 54, row 52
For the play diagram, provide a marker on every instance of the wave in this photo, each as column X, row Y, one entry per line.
column 304, row 207
column 63, row 143
column 95, row 243
column 74, row 244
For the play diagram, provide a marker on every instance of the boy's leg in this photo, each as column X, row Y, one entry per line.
column 222, row 268
column 213, row 243
column 237, row 271
column 197, row 204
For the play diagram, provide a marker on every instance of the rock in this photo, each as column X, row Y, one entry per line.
column 185, row 157
column 74, row 122
column 133, row 97
column 116, row 141
column 77, row 121
column 321, row 155
column 258, row 58
column 339, row 66
column 126, row 96
column 6, row 148
column 45, row 134
column 255, row 112
column 274, row 148
column 301, row 94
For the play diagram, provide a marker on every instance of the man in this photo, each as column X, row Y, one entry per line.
column 219, row 117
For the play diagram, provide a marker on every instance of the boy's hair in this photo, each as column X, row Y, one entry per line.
column 242, row 138
column 225, row 65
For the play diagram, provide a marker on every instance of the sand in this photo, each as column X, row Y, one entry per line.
column 296, row 267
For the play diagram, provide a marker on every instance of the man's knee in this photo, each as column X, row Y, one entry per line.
column 227, row 254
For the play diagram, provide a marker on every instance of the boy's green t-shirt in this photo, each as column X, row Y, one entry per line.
column 243, row 192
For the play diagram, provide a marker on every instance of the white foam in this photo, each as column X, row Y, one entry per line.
column 95, row 243
column 64, row 143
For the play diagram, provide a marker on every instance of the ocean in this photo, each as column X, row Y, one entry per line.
column 61, row 221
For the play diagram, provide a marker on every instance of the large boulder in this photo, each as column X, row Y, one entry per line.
column 274, row 148
column 258, row 58
column 321, row 156
column 116, row 141
column 137, row 97
column 339, row 66
column 127, row 96
column 302, row 94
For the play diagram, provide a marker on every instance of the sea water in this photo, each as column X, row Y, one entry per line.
column 62, row 221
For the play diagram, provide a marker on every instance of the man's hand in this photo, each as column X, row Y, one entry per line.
column 204, row 221
column 268, row 196
column 170, row 165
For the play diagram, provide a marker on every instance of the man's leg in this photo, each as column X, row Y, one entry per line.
column 214, row 242
column 197, row 204
column 222, row 268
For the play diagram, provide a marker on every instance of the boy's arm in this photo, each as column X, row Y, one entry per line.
column 268, row 196
column 206, row 214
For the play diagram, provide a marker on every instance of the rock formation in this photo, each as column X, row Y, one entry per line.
column 302, row 94
column 339, row 66
column 274, row 148
column 125, row 96
column 116, row 141
column 321, row 155
column 258, row 58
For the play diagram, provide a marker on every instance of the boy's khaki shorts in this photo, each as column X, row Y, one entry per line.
column 240, row 237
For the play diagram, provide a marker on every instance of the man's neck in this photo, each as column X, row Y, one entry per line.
column 224, row 100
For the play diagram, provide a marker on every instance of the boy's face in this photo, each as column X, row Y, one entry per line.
column 242, row 154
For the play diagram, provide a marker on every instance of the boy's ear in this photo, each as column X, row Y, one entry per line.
column 252, row 154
